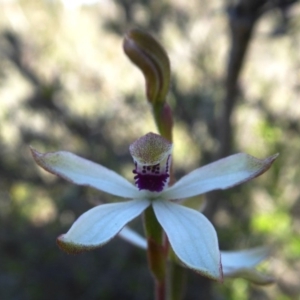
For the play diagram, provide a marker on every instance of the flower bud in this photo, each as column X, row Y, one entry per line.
column 151, row 58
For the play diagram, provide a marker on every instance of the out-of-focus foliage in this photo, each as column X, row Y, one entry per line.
column 65, row 84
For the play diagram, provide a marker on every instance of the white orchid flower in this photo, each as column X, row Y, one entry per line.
column 191, row 235
column 235, row 264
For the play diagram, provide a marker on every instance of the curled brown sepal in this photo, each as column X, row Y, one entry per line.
column 151, row 58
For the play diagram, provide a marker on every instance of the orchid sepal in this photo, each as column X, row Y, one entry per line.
column 253, row 276
column 235, row 264
column 81, row 171
column 222, row 174
column 241, row 264
column 192, row 237
column 99, row 225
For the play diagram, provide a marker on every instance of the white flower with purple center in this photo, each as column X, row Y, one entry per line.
column 191, row 235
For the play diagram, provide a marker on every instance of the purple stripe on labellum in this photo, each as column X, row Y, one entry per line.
column 151, row 178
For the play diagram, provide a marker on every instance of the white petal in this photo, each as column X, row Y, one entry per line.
column 133, row 237
column 99, row 225
column 192, row 237
column 242, row 264
column 234, row 260
column 222, row 174
column 236, row 264
column 253, row 276
column 84, row 172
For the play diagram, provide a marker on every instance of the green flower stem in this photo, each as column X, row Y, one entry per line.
column 156, row 252
column 177, row 281
column 163, row 119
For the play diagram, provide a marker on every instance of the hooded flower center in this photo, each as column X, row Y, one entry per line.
column 152, row 159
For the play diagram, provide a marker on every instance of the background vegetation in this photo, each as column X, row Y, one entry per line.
column 65, row 84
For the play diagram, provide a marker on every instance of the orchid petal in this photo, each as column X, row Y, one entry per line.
column 233, row 260
column 236, row 264
column 133, row 237
column 222, row 174
column 242, row 263
column 252, row 275
column 192, row 237
column 99, row 225
column 84, row 172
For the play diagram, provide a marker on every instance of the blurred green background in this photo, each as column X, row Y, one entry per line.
column 65, row 84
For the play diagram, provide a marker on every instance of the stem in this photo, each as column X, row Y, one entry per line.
column 158, row 244
column 160, row 290
column 164, row 122
column 178, row 281
column 156, row 252
column 163, row 119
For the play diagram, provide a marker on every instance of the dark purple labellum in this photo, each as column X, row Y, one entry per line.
column 152, row 178
column 152, row 183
